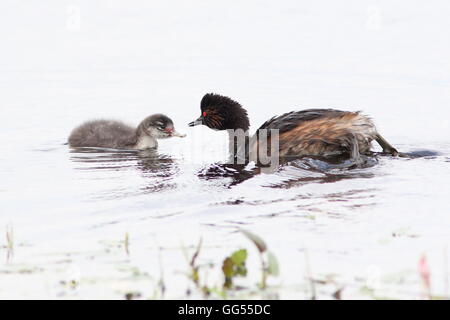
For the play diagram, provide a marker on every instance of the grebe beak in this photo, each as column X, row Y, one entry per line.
column 196, row 122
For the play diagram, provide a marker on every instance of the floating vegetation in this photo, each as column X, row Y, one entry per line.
column 9, row 243
column 233, row 266
column 126, row 244
column 242, row 271
column 194, row 270
column 132, row 295
column 269, row 263
column 21, row 269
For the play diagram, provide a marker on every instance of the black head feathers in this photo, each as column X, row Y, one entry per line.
column 222, row 113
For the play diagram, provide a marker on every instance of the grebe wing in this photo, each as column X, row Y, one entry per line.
column 290, row 120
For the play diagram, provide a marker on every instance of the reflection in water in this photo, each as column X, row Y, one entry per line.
column 298, row 171
column 318, row 170
column 429, row 154
column 305, row 205
column 237, row 172
column 158, row 169
column 295, row 171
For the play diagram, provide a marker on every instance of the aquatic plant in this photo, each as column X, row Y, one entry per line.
column 194, row 269
column 234, row 266
column 9, row 243
column 126, row 244
column 269, row 263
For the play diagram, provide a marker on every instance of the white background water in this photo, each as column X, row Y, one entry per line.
column 64, row 62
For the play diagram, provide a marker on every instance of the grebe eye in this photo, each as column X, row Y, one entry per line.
column 204, row 114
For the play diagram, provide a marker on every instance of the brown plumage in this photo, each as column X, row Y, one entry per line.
column 311, row 132
column 323, row 132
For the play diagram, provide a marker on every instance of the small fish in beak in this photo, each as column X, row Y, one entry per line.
column 177, row 134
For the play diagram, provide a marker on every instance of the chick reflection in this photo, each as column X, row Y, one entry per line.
column 157, row 169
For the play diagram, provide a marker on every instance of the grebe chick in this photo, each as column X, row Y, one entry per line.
column 117, row 135
column 311, row 132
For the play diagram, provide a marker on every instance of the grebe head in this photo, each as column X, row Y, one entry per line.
column 158, row 126
column 221, row 113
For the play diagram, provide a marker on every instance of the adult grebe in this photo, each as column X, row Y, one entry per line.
column 311, row 132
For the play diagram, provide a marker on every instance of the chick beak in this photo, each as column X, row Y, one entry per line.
column 173, row 133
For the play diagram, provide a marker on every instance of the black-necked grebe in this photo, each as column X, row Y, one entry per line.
column 117, row 135
column 311, row 132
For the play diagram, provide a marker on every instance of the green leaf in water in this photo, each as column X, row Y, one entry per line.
column 239, row 256
column 273, row 268
column 233, row 266
column 227, row 267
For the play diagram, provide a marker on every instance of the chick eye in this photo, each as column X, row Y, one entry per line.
column 159, row 125
column 204, row 114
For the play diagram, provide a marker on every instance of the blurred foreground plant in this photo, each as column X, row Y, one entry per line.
column 269, row 263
